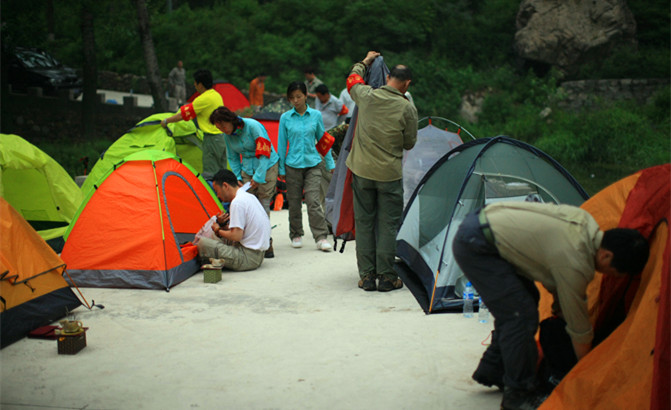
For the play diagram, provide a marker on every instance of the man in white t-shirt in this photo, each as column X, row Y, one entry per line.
column 243, row 234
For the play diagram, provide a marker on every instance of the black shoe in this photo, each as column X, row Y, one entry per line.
column 515, row 399
column 490, row 369
column 487, row 380
column 367, row 283
column 488, row 375
column 269, row 252
column 386, row 284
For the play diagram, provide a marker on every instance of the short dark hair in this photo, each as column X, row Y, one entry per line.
column 204, row 77
column 630, row 249
column 309, row 70
column 224, row 114
column 297, row 85
column 322, row 89
column 225, row 175
column 401, row 72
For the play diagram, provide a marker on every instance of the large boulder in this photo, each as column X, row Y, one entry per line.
column 567, row 33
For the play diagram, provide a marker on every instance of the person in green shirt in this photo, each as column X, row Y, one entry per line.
column 504, row 249
column 385, row 126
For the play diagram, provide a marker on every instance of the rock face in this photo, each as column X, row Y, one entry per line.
column 471, row 105
column 565, row 33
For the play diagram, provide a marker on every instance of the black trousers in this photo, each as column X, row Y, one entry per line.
column 511, row 298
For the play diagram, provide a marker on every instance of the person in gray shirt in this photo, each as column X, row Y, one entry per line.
column 177, row 78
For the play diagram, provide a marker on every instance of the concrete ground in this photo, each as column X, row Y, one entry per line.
column 295, row 334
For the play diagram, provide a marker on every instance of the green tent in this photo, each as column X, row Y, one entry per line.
column 38, row 188
column 469, row 177
column 183, row 139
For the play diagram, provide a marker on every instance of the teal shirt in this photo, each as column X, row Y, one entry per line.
column 301, row 133
column 241, row 151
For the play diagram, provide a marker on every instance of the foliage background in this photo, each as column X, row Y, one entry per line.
column 453, row 47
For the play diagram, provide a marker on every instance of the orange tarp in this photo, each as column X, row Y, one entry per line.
column 630, row 368
column 24, row 256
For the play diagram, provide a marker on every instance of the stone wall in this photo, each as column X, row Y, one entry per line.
column 35, row 117
column 585, row 93
column 108, row 80
column 580, row 94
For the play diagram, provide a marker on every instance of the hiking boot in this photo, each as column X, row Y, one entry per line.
column 488, row 380
column 367, row 283
column 297, row 242
column 386, row 284
column 488, row 375
column 269, row 252
column 515, row 399
column 324, row 245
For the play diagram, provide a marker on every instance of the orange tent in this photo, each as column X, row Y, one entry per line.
column 630, row 368
column 133, row 229
column 33, row 292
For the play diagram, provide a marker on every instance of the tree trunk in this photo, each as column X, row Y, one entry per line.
column 89, row 102
column 151, row 63
column 51, row 36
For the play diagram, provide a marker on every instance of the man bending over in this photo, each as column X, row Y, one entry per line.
column 504, row 248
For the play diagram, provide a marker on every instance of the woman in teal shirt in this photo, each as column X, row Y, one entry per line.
column 301, row 128
column 250, row 154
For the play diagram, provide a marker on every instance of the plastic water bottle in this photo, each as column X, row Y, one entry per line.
column 483, row 312
column 468, row 300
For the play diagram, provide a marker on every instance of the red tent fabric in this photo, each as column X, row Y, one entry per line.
column 234, row 99
column 339, row 199
column 272, row 127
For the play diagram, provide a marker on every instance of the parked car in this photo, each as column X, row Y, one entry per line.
column 31, row 67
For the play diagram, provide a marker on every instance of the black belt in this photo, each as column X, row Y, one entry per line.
column 484, row 226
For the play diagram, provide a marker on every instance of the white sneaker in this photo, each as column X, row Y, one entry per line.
column 324, row 245
column 297, row 242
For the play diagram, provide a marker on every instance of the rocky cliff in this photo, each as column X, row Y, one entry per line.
column 565, row 33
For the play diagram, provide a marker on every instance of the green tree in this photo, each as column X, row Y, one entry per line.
column 151, row 63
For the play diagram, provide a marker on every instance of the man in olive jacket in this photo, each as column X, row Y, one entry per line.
column 386, row 125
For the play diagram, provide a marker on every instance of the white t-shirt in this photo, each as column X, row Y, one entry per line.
column 248, row 214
